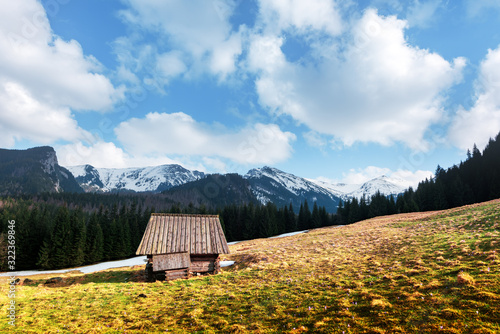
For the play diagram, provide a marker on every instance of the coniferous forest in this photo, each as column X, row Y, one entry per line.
column 472, row 181
column 56, row 231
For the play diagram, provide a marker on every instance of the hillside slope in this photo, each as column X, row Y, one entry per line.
column 273, row 185
column 434, row 272
column 34, row 171
column 213, row 191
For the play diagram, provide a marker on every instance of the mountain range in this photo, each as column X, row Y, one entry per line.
column 37, row 170
column 266, row 184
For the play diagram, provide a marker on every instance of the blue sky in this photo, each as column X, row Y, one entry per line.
column 337, row 90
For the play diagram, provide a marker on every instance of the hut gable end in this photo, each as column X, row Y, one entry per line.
column 180, row 233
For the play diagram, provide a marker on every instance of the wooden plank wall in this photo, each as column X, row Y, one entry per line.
column 176, row 274
column 171, row 261
column 204, row 263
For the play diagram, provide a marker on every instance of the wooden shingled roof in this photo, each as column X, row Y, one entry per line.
column 177, row 233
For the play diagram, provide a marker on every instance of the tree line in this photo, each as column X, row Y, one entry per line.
column 53, row 233
column 475, row 180
column 251, row 221
column 51, row 236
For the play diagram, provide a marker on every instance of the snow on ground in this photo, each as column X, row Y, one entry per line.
column 138, row 260
column 276, row 236
column 288, row 234
column 226, row 263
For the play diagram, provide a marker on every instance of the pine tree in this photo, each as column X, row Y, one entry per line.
column 44, row 255
column 61, row 240
column 95, row 242
column 291, row 219
column 250, row 221
column 354, row 211
column 325, row 217
column 272, row 225
column 76, row 256
column 315, row 217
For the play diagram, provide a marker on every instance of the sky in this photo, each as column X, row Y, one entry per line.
column 335, row 90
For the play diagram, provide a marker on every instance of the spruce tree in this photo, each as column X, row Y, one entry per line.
column 76, row 257
column 315, row 218
column 95, row 242
column 291, row 220
column 61, row 240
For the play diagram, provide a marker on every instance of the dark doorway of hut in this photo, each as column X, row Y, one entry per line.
column 182, row 246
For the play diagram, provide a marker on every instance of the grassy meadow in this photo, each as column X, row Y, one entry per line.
column 435, row 272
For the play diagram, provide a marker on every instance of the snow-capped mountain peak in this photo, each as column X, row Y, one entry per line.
column 273, row 185
column 292, row 183
column 154, row 179
column 384, row 184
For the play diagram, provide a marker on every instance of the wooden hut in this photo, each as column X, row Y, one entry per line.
column 179, row 245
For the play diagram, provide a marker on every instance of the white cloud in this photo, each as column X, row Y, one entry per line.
column 379, row 89
column 359, row 176
column 180, row 134
column 199, row 29
column 421, row 13
column 315, row 139
column 396, row 5
column 23, row 117
column 43, row 78
column 301, row 16
column 170, row 64
column 53, row 70
column 98, row 154
column 106, row 155
column 482, row 121
column 404, row 178
column 412, row 179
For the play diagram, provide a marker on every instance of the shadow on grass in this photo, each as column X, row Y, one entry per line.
column 108, row 276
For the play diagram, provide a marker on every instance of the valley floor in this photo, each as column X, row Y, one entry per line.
column 434, row 272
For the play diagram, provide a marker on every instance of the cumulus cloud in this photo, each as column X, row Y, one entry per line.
column 96, row 153
column 301, row 16
column 199, row 29
column 99, row 153
column 378, row 89
column 43, row 78
column 24, row 117
column 53, row 70
column 482, row 121
column 180, row 134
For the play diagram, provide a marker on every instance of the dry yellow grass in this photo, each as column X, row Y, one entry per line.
column 464, row 278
